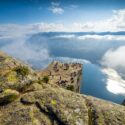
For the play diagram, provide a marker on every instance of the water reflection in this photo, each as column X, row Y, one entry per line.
column 94, row 83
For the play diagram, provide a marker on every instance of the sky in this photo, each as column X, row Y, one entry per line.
column 77, row 15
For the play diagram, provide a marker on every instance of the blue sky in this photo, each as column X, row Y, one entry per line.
column 63, row 15
column 32, row 11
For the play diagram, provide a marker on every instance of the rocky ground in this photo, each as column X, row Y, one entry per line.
column 28, row 97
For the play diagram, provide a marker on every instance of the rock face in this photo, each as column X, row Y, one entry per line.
column 65, row 75
column 26, row 99
column 123, row 103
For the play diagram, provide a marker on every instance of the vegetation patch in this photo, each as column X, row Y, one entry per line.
column 70, row 87
column 53, row 102
column 45, row 79
column 11, row 77
column 22, row 71
column 8, row 96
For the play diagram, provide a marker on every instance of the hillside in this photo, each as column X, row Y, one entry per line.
column 29, row 97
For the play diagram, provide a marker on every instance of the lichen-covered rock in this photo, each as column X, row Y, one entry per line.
column 105, row 113
column 55, row 103
column 52, row 106
column 26, row 100
column 18, row 114
column 8, row 96
column 76, row 110
column 14, row 74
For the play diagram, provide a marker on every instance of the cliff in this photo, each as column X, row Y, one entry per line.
column 28, row 97
column 65, row 75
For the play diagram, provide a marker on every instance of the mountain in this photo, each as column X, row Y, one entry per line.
column 29, row 97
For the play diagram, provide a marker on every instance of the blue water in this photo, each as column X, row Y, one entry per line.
column 94, row 83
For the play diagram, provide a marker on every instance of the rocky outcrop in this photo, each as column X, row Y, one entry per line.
column 66, row 75
column 27, row 99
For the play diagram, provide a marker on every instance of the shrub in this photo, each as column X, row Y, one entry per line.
column 70, row 87
column 45, row 79
column 22, row 70
column 8, row 96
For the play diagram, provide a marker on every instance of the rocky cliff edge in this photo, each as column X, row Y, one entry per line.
column 29, row 98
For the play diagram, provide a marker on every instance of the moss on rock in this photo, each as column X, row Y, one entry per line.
column 8, row 96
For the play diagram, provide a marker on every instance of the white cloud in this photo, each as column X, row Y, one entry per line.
column 99, row 38
column 71, row 60
column 20, row 50
column 47, row 27
column 18, row 35
column 65, row 36
column 115, row 84
column 14, row 30
column 115, row 23
column 116, row 87
column 55, row 8
column 103, row 37
column 115, row 59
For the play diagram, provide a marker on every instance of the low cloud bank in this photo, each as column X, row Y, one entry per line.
column 114, row 83
column 114, row 58
column 21, row 51
column 16, row 38
column 99, row 38
column 70, row 60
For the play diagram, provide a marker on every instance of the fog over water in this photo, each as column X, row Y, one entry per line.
column 100, row 54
